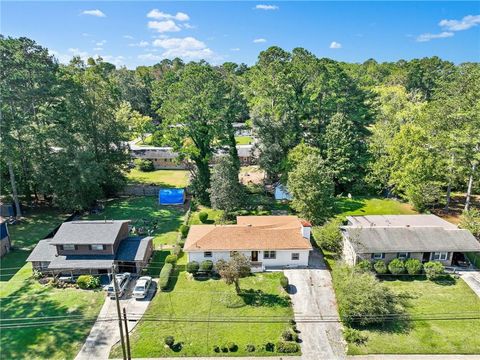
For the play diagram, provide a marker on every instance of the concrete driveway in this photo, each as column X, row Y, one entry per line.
column 472, row 278
column 315, row 310
column 105, row 333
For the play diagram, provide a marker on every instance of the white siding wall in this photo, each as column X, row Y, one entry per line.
column 349, row 254
column 283, row 257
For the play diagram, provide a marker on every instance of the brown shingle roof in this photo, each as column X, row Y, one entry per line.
column 250, row 233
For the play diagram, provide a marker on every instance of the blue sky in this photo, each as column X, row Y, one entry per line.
column 142, row 33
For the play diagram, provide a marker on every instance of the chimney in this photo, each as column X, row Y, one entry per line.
column 306, row 229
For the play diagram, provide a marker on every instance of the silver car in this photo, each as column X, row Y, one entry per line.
column 141, row 287
column 122, row 281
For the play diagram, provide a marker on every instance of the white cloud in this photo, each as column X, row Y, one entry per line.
column 115, row 60
column 266, row 7
column 78, row 52
column 96, row 12
column 101, row 43
column 466, row 23
column 97, row 49
column 130, row 37
column 335, row 45
column 260, row 40
column 427, row 36
column 235, row 49
column 188, row 26
column 163, row 26
column 149, row 57
column 157, row 14
column 86, row 34
column 140, row 44
column 187, row 47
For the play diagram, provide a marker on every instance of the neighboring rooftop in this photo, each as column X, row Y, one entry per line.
column 250, row 233
column 399, row 221
column 88, row 232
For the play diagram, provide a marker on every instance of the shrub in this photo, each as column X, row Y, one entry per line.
column 329, row 237
column 269, row 346
column 380, row 267
column 364, row 265
column 433, row 270
column 287, row 335
column 224, row 348
column 287, row 347
column 193, row 267
column 284, row 282
column 354, row 336
column 216, row 348
column 203, row 217
column 292, row 322
column 165, row 274
column 177, row 250
column 232, row 347
column 37, row 274
column 206, row 266
column 396, row 267
column 181, row 243
column 250, row 348
column 170, row 341
column 171, row 259
column 184, row 230
column 144, row 165
column 88, row 282
column 413, row 266
column 295, row 336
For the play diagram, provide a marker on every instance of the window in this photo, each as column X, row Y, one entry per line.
column 269, row 254
column 68, row 247
column 97, row 247
column 295, row 256
column 207, row 254
column 403, row 255
column 440, row 256
column 378, row 256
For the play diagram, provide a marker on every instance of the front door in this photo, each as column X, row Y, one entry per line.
column 426, row 257
column 254, row 256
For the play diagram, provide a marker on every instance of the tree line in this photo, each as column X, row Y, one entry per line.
column 409, row 128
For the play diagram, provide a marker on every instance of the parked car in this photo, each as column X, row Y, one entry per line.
column 141, row 287
column 122, row 280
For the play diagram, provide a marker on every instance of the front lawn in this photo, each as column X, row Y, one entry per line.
column 164, row 178
column 371, row 206
column 160, row 221
column 183, row 313
column 73, row 312
column 424, row 336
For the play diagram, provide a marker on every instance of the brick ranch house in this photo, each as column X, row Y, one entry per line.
column 267, row 241
column 422, row 237
column 91, row 247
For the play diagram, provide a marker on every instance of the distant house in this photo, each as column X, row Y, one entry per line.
column 161, row 157
column 281, row 192
column 268, row 241
column 91, row 247
column 5, row 242
column 423, row 237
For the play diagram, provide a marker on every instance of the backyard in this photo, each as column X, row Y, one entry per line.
column 164, row 178
column 449, row 300
column 161, row 222
column 243, row 140
column 371, row 206
column 183, row 311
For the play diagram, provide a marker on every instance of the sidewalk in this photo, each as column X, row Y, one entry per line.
column 472, row 278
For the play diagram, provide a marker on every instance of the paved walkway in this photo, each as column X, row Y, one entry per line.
column 472, row 278
column 313, row 298
column 105, row 332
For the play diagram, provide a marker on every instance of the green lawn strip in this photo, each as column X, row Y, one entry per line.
column 60, row 340
column 144, row 211
column 243, row 140
column 164, row 178
column 192, row 299
column 429, row 336
column 371, row 206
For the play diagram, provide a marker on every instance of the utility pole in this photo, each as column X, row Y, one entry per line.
column 127, row 336
column 119, row 315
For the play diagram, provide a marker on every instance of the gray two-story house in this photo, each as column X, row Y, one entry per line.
column 91, row 247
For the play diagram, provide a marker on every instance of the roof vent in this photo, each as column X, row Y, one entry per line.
column 408, row 225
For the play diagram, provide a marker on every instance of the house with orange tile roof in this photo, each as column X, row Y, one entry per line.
column 268, row 241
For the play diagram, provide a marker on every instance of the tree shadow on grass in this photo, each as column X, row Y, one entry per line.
column 348, row 205
column 445, row 280
column 256, row 297
column 43, row 340
column 158, row 259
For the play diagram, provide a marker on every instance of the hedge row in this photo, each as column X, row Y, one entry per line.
column 165, row 275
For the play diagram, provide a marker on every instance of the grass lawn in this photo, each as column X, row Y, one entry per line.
column 144, row 211
column 372, row 206
column 60, row 340
column 214, row 216
column 193, row 299
column 243, row 140
column 429, row 336
column 164, row 178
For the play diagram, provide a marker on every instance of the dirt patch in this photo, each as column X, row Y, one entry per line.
column 457, row 204
column 251, row 175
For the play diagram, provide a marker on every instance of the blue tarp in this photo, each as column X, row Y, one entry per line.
column 171, row 196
